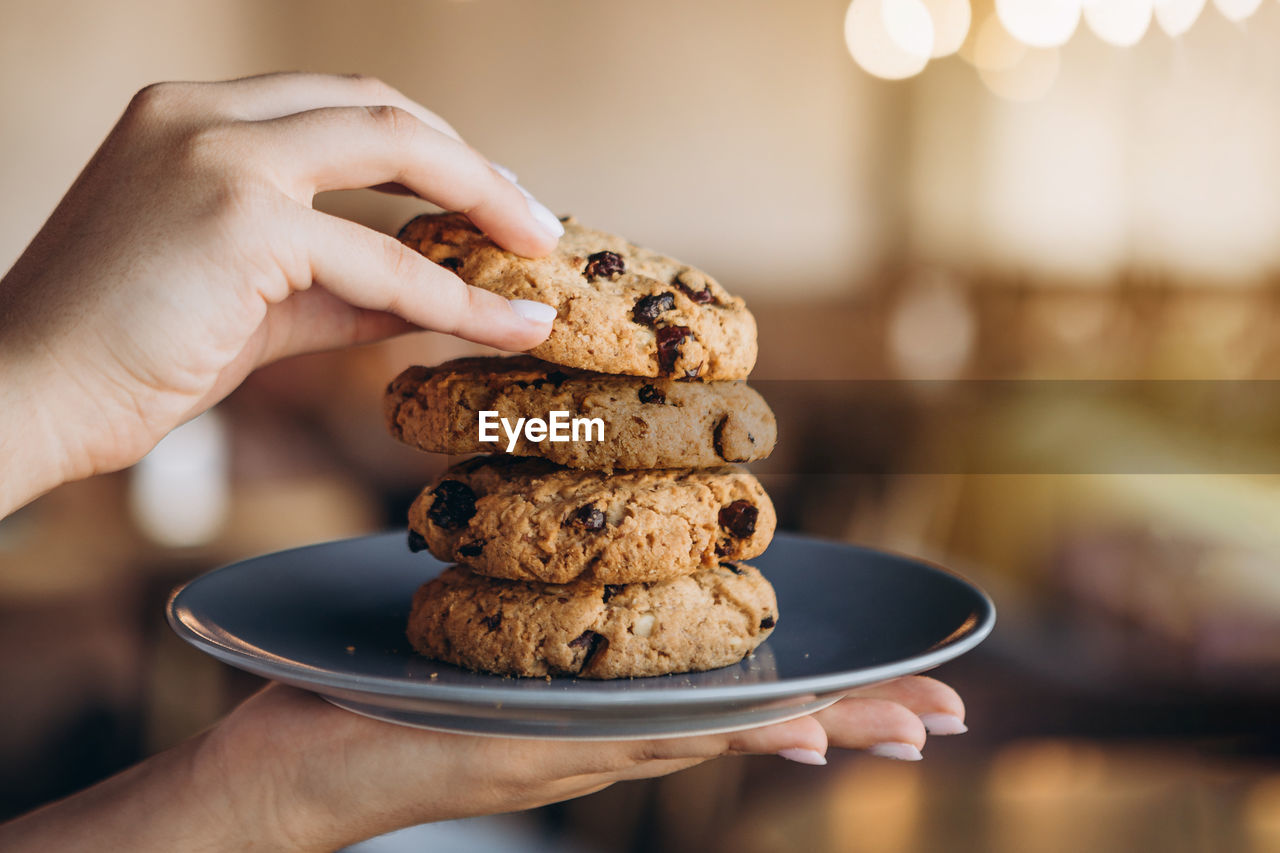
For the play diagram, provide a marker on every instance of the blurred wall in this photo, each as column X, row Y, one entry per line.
column 735, row 134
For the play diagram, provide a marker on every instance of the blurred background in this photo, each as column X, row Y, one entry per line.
column 942, row 248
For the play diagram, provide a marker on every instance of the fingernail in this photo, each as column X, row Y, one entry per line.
column 545, row 218
column 536, row 312
column 504, row 171
column 803, row 756
column 943, row 724
column 896, row 751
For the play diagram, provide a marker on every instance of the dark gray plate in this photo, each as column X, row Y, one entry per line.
column 330, row 618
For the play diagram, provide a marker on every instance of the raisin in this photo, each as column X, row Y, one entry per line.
column 669, row 340
column 733, row 567
column 588, row 518
column 702, row 297
column 649, row 308
column 767, row 622
column 591, row 641
column 492, row 622
column 453, row 506
column 454, row 264
column 739, row 518
column 417, row 542
column 649, row 394
column 471, row 549
column 604, row 265
column 610, row 590
column 722, row 548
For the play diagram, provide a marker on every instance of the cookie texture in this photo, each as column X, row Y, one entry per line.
column 648, row 423
column 528, row 519
column 702, row 621
column 620, row 308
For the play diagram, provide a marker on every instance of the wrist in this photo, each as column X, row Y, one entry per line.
column 162, row 804
column 33, row 457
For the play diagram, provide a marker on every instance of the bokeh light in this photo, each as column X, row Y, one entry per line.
column 932, row 330
column 1176, row 16
column 995, row 49
column 1122, row 23
column 1029, row 79
column 892, row 39
column 951, row 19
column 1040, row 23
column 179, row 493
column 1237, row 10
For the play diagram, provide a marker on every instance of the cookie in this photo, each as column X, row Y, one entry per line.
column 701, row 621
column 620, row 308
column 648, row 423
column 527, row 519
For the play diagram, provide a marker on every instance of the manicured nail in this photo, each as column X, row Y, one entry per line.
column 896, row 751
column 803, row 756
column 536, row 312
column 943, row 724
column 545, row 218
column 504, row 171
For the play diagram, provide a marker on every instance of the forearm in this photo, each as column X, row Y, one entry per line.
column 162, row 804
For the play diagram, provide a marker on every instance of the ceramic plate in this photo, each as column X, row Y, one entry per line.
column 330, row 618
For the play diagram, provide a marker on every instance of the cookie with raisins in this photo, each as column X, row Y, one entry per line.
column 527, row 519
column 647, row 423
column 712, row 618
column 620, row 308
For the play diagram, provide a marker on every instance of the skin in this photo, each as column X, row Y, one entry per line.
column 186, row 255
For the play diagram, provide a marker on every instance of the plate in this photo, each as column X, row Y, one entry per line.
column 329, row 618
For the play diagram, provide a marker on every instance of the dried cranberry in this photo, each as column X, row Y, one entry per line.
column 453, row 506
column 454, row 264
column 649, row 308
column 585, row 639
column 669, row 340
column 492, row 622
column 702, row 297
column 767, row 622
column 733, row 567
column 588, row 518
column 417, row 542
column 649, row 394
column 604, row 265
column 610, row 590
column 739, row 518
column 471, row 549
column 555, row 378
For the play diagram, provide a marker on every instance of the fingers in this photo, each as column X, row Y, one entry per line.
column 882, row 727
column 803, row 736
column 938, row 706
column 376, row 272
column 351, row 147
column 268, row 96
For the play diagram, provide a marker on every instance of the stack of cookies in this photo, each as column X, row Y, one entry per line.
column 617, row 554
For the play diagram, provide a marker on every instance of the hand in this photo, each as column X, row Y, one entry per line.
column 307, row 775
column 188, row 253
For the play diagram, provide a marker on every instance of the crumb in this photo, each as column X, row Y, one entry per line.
column 548, row 679
column 351, row 649
column 435, row 675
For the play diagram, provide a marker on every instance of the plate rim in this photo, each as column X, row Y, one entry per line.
column 496, row 694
